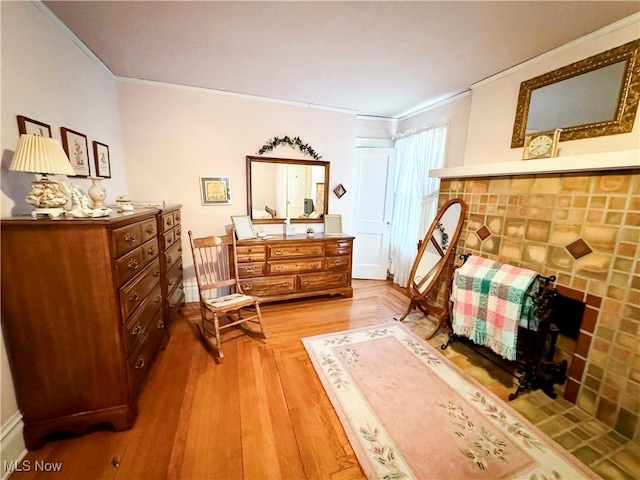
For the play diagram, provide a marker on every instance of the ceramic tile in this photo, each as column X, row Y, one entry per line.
column 587, row 455
column 610, row 471
column 568, row 440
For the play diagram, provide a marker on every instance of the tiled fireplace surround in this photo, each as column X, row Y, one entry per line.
column 530, row 221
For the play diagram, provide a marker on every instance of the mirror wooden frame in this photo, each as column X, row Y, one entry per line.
column 287, row 161
column 627, row 100
column 419, row 298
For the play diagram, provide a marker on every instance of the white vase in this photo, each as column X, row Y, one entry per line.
column 97, row 192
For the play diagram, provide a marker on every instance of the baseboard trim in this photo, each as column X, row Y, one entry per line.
column 12, row 447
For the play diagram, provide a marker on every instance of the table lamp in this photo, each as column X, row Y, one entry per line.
column 45, row 156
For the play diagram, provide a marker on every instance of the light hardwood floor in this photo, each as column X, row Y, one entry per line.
column 262, row 414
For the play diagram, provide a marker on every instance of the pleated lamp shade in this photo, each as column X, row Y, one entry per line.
column 39, row 154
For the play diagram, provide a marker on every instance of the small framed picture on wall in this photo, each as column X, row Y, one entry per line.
column 215, row 190
column 101, row 159
column 76, row 147
column 33, row 127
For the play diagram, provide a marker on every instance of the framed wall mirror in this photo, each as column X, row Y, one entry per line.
column 280, row 188
column 436, row 250
column 590, row 98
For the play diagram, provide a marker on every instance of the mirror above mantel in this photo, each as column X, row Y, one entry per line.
column 590, row 98
column 280, row 188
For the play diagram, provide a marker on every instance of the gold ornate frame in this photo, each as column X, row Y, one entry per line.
column 627, row 101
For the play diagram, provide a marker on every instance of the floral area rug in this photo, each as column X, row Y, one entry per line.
column 411, row 413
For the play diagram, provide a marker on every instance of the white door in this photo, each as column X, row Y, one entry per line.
column 297, row 185
column 373, row 207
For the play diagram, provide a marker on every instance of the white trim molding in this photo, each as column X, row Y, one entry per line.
column 12, row 447
column 620, row 160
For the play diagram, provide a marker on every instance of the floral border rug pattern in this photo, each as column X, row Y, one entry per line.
column 411, row 413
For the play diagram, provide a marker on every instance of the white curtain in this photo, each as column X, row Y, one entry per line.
column 416, row 195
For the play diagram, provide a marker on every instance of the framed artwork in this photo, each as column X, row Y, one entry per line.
column 243, row 227
column 215, row 190
column 339, row 191
column 332, row 224
column 77, row 149
column 101, row 159
column 33, row 127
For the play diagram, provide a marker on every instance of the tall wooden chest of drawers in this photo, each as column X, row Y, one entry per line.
column 280, row 267
column 82, row 318
column 170, row 228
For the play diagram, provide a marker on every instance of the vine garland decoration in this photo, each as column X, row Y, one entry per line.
column 293, row 143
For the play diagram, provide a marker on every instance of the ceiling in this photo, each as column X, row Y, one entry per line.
column 378, row 58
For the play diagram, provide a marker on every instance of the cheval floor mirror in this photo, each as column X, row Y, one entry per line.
column 434, row 263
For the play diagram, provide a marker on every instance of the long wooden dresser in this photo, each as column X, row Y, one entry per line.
column 82, row 317
column 285, row 267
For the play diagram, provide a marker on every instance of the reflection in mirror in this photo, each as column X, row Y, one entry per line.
column 593, row 97
column 436, row 247
column 432, row 263
column 279, row 188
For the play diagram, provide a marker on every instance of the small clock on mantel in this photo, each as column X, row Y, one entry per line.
column 541, row 145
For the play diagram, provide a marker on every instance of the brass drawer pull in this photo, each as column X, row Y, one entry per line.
column 278, row 268
column 130, row 238
column 139, row 363
column 315, row 250
column 285, row 284
column 156, row 273
column 150, row 229
column 248, row 287
column 177, row 217
column 169, row 259
column 160, row 325
column 133, row 264
column 315, row 266
column 134, row 296
column 158, row 298
column 250, row 269
column 306, row 282
column 152, row 251
column 137, row 330
column 169, row 222
column 278, row 251
column 171, row 281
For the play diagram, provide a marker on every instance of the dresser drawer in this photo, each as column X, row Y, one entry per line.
column 304, row 265
column 149, row 229
column 293, row 251
column 333, row 263
column 150, row 251
column 174, row 275
column 173, row 254
column 139, row 362
column 139, row 323
column 247, row 270
column 316, row 281
column 168, row 221
column 176, row 299
column 133, row 262
column 338, row 247
column 137, row 289
column 251, row 254
column 169, row 238
column 177, row 233
column 269, row 285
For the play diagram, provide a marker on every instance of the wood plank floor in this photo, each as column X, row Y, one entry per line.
column 262, row 414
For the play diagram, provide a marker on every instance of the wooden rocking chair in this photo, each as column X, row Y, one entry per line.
column 220, row 293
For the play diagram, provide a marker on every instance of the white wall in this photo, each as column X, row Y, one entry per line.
column 174, row 135
column 494, row 102
column 47, row 77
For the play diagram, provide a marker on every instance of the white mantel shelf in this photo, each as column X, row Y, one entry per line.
column 607, row 161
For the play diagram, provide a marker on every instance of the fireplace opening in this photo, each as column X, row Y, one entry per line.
column 567, row 315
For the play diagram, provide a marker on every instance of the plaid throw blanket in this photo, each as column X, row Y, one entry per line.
column 490, row 302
